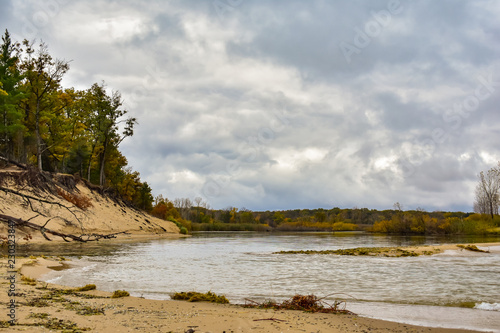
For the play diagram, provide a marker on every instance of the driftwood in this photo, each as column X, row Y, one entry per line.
column 82, row 238
column 272, row 319
column 309, row 303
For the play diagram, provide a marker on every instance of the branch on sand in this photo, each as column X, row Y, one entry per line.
column 27, row 198
column 83, row 238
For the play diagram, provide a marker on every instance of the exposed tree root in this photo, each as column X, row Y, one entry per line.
column 44, row 231
column 42, row 186
column 27, row 198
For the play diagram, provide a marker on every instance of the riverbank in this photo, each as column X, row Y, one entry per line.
column 41, row 305
column 55, row 205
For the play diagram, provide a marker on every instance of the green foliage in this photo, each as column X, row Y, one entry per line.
column 11, row 116
column 193, row 296
column 422, row 223
column 217, row 226
column 62, row 129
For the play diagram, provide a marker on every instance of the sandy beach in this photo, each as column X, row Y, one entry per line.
column 40, row 306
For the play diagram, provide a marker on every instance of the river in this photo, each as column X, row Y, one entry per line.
column 425, row 290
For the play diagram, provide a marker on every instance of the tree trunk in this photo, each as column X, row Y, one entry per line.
column 102, row 162
column 90, row 162
column 102, row 177
column 38, row 136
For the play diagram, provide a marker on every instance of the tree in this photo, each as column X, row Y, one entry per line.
column 10, row 94
column 144, row 198
column 43, row 76
column 105, row 116
column 487, row 192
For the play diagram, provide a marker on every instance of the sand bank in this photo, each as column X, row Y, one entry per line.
column 41, row 304
column 84, row 210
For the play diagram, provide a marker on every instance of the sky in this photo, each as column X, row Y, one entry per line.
column 274, row 105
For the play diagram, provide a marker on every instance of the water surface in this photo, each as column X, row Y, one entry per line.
column 243, row 265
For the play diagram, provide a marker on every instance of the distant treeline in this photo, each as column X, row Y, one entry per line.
column 197, row 216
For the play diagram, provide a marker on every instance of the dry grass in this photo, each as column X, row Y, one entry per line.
column 79, row 200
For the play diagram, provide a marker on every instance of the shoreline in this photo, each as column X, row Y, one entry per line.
column 146, row 315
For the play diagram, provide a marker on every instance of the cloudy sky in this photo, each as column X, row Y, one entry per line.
column 291, row 104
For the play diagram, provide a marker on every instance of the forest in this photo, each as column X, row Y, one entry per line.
column 61, row 129
column 197, row 216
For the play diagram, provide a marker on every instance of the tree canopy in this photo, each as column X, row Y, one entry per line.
column 61, row 129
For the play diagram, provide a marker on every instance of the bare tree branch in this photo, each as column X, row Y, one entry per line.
column 83, row 238
column 27, row 198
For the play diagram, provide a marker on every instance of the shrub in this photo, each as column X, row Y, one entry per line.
column 193, row 296
column 343, row 226
column 120, row 293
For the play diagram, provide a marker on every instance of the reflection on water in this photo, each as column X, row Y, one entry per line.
column 242, row 265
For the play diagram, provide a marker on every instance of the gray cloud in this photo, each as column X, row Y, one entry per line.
column 254, row 104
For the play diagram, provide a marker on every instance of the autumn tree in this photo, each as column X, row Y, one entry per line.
column 487, row 192
column 164, row 209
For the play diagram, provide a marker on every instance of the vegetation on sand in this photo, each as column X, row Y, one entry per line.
column 193, row 296
column 120, row 293
column 366, row 251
